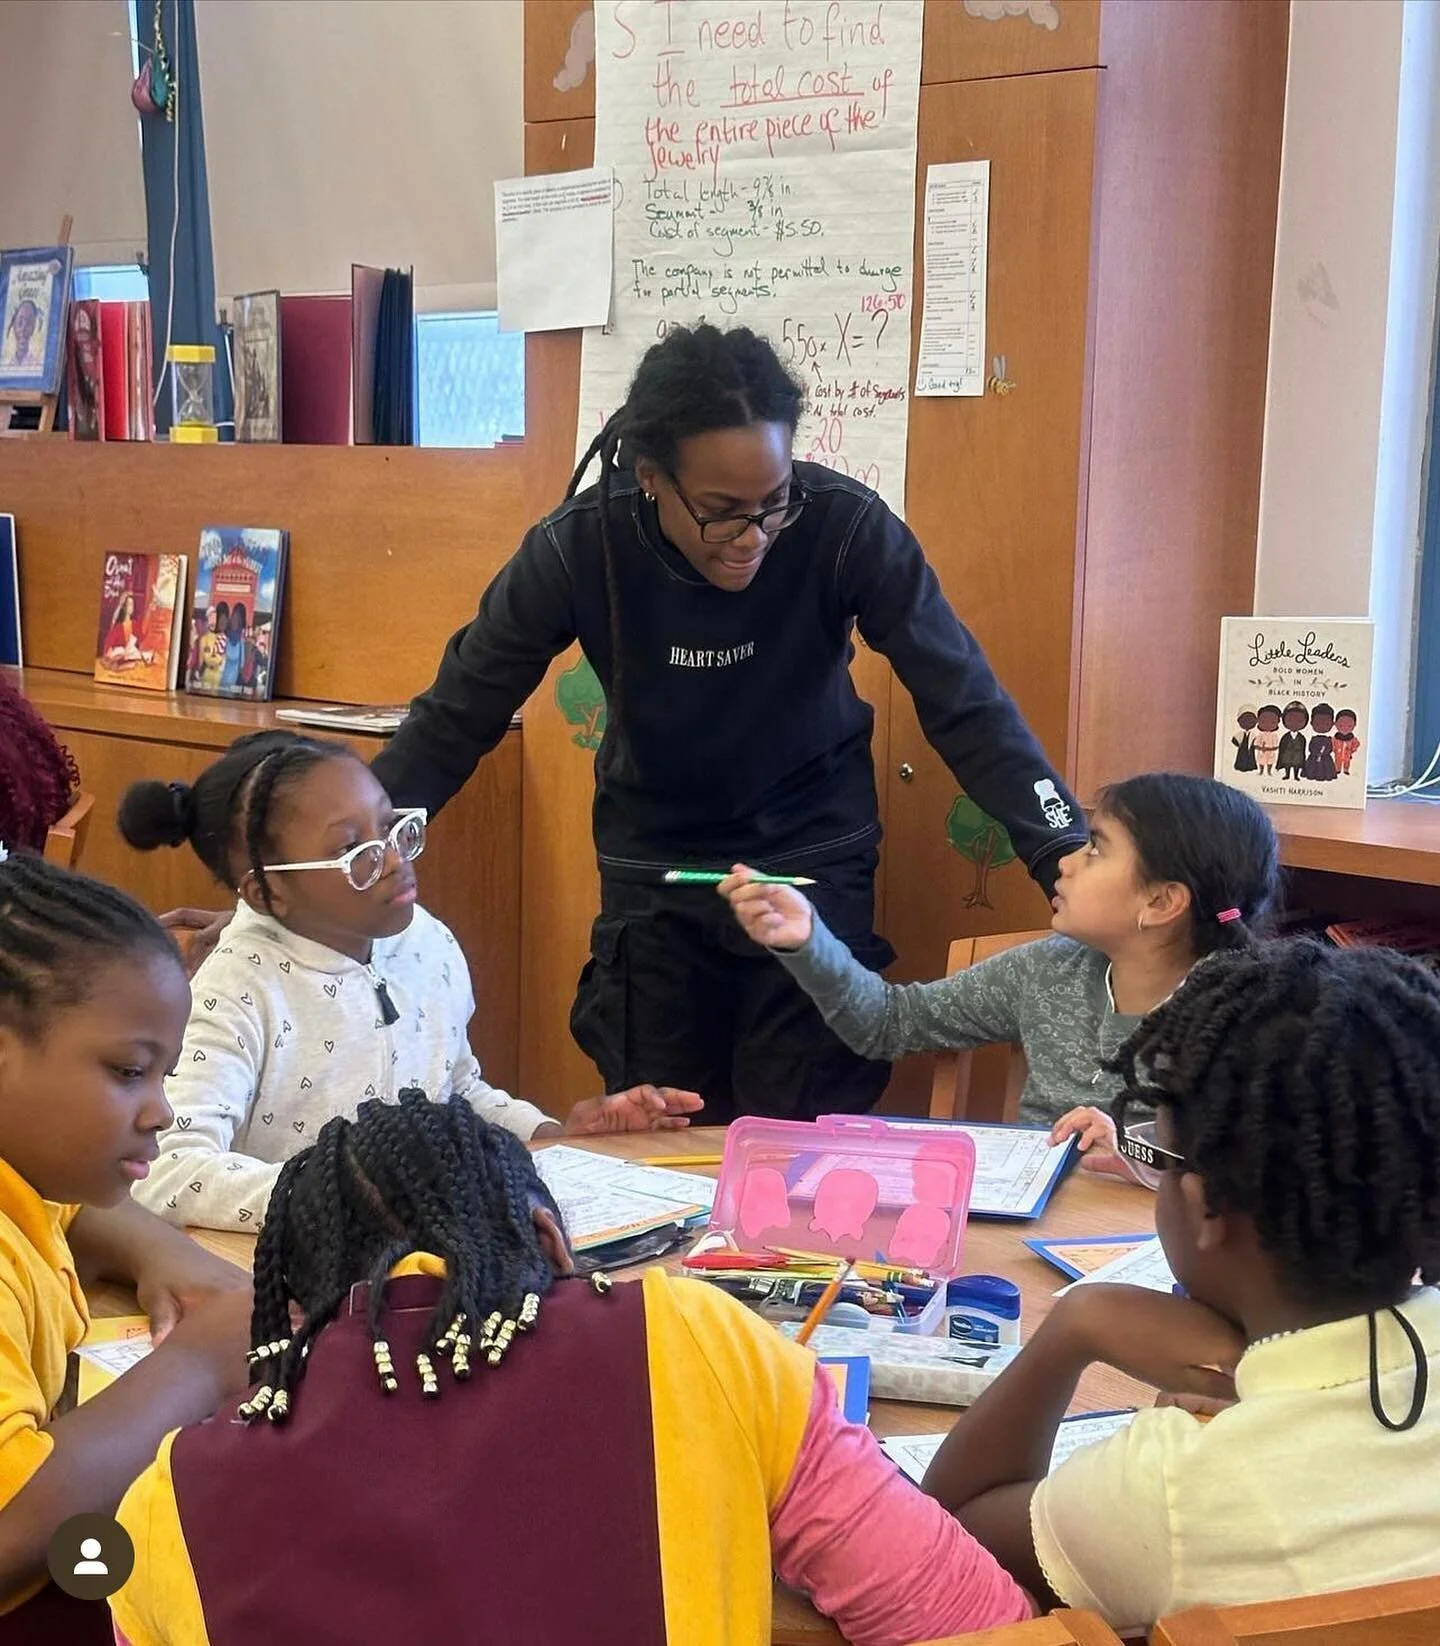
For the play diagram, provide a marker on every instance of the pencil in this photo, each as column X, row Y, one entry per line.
column 822, row 1305
column 706, row 877
column 678, row 1160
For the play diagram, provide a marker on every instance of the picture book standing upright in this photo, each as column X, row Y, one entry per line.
column 86, row 377
column 11, row 650
column 142, row 599
column 235, row 617
column 1293, row 723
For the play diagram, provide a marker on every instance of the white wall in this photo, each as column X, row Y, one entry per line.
column 69, row 134
column 1352, row 326
column 368, row 131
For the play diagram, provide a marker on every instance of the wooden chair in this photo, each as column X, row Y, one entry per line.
column 984, row 1084
column 66, row 839
column 1394, row 1614
column 1062, row 1628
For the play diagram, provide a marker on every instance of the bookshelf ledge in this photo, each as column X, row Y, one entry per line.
column 1397, row 840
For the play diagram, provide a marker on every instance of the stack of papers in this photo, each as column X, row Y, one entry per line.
column 604, row 1200
column 912, row 1453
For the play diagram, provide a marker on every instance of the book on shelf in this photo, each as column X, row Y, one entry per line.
column 84, row 374
column 142, row 600
column 1293, row 722
column 126, row 407
column 346, row 717
column 34, row 294
column 236, row 612
column 11, row 650
column 1417, row 938
column 257, row 366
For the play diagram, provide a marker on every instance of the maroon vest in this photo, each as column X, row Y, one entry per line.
column 516, row 1508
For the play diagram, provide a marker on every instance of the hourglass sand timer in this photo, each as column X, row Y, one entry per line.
column 192, row 392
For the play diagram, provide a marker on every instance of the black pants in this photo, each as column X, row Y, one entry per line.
column 676, row 994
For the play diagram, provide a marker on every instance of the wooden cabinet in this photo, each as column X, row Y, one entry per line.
column 1093, row 522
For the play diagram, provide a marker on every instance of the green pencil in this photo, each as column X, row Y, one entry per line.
column 706, row 877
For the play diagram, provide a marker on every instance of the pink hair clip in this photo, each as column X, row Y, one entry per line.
column 1227, row 915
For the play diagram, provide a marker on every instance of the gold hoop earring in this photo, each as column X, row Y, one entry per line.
column 1139, row 922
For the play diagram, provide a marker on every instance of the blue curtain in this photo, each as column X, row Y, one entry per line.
column 192, row 319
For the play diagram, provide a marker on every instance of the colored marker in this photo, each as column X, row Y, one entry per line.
column 706, row 877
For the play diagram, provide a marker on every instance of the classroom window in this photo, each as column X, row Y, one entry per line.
column 1426, row 716
column 113, row 283
column 471, row 380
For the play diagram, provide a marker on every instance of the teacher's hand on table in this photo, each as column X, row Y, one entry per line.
column 641, row 1109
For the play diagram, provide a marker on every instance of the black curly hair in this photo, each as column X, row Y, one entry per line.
column 38, row 776
column 1303, row 1083
column 226, row 814
column 412, row 1176
column 1209, row 838
column 697, row 378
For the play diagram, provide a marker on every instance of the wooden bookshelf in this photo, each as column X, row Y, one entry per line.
column 1392, row 840
column 469, row 875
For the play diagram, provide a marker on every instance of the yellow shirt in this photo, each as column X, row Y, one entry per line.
column 42, row 1319
column 1296, row 1490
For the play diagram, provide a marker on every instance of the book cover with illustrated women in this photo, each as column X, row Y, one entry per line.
column 1293, row 723
column 138, row 639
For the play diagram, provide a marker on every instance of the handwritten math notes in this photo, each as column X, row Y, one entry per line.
column 913, row 1453
column 764, row 159
column 554, row 240
column 957, row 250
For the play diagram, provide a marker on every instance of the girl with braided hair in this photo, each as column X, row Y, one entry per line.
column 330, row 984
column 716, row 586
column 93, row 1001
column 449, row 1436
column 1295, row 1145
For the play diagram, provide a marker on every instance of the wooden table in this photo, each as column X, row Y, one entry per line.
column 1082, row 1205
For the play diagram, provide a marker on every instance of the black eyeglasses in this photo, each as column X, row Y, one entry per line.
column 1148, row 1159
column 726, row 528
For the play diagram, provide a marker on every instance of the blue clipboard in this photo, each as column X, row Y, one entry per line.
column 1053, row 1252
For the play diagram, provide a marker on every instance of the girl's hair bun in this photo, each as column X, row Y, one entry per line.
column 156, row 814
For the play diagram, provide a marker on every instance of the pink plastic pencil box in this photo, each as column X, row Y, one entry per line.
column 853, row 1186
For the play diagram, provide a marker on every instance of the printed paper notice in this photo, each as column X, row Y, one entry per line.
column 554, row 250
column 957, row 250
column 603, row 1199
column 913, row 1453
column 764, row 158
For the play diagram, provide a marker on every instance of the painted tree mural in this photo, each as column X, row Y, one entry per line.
column 580, row 697
column 980, row 839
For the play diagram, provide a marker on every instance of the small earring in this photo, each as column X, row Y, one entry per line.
column 1139, row 922
column 601, row 1282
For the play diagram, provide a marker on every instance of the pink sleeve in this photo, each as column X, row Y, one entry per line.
column 871, row 1550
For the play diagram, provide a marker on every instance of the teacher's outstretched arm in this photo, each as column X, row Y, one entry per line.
column 488, row 670
column 968, row 718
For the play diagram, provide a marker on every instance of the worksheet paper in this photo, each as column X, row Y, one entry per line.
column 913, row 1453
column 113, row 1346
column 1145, row 1266
column 554, row 250
column 764, row 159
column 957, row 251
column 1016, row 1167
column 603, row 1199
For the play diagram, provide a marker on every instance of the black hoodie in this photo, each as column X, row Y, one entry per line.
column 738, row 736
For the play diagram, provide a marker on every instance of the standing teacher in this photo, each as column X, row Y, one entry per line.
column 713, row 583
